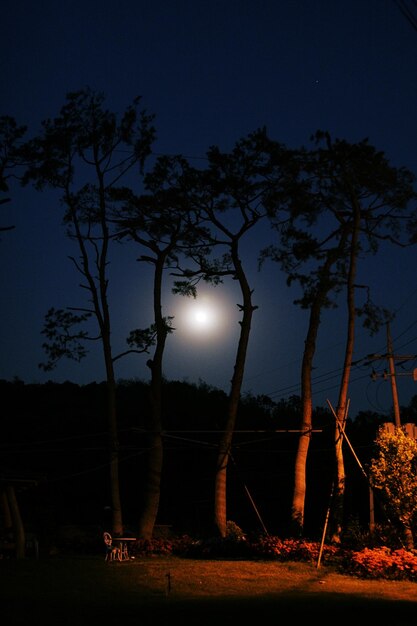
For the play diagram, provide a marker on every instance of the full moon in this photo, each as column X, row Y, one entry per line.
column 207, row 317
column 202, row 316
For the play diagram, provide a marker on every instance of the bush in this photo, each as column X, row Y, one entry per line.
column 268, row 547
column 377, row 562
column 383, row 563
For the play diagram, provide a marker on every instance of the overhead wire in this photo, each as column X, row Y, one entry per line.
column 331, row 374
column 409, row 13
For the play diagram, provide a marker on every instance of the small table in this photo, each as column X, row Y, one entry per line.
column 124, row 542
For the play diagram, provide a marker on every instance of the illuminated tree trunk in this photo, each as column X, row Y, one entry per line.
column 300, row 484
column 408, row 537
column 339, row 490
column 352, row 188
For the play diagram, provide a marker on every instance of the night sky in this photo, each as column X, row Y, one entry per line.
column 211, row 72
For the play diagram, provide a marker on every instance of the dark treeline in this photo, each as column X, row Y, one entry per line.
column 56, row 434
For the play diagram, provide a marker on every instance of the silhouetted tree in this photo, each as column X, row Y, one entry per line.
column 10, row 135
column 162, row 223
column 357, row 200
column 233, row 195
column 368, row 197
column 84, row 153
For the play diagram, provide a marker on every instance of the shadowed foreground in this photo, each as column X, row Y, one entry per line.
column 86, row 591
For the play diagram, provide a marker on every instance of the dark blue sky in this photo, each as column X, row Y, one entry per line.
column 211, row 72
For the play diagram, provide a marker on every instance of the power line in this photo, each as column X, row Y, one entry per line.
column 409, row 13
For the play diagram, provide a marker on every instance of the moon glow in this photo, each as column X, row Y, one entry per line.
column 202, row 317
column 207, row 317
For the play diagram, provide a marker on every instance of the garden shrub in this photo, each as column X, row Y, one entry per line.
column 383, row 563
column 380, row 562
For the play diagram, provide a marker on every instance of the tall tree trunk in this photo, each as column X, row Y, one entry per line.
column 6, row 514
column 113, row 438
column 17, row 523
column 300, row 482
column 101, row 307
column 225, row 445
column 152, row 490
column 408, row 536
column 342, row 408
column 300, row 485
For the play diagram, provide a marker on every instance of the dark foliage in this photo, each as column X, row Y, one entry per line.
column 56, row 434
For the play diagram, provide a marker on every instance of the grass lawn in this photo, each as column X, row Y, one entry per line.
column 158, row 591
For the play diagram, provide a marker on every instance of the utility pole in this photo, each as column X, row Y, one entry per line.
column 391, row 358
column 391, row 363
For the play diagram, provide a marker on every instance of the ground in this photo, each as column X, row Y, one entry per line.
column 84, row 591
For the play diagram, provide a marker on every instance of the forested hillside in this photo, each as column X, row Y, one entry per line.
column 56, row 434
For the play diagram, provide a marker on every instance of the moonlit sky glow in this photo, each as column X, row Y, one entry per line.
column 204, row 318
column 211, row 71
